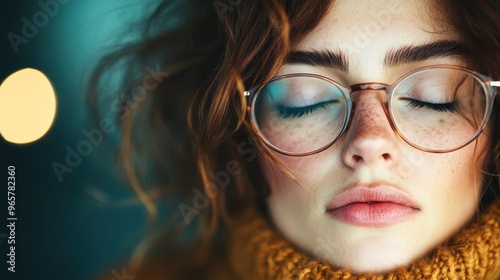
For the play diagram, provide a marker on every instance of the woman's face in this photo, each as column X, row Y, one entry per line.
column 370, row 161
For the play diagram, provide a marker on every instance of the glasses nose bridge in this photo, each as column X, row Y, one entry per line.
column 369, row 86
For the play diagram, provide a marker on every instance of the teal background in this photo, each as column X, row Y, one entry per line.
column 63, row 230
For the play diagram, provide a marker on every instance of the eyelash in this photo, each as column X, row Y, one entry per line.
column 286, row 112
column 439, row 107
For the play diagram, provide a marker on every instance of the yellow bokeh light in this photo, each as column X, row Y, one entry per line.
column 27, row 106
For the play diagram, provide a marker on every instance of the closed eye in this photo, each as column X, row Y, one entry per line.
column 439, row 107
column 297, row 112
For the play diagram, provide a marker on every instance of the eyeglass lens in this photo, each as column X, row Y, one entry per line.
column 434, row 109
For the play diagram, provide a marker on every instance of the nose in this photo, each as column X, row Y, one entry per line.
column 370, row 139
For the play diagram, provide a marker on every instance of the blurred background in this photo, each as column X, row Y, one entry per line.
column 71, row 224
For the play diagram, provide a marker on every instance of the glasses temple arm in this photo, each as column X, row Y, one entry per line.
column 495, row 83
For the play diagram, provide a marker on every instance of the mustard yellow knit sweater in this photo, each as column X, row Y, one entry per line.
column 258, row 251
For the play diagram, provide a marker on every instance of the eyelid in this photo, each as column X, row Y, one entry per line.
column 439, row 107
column 303, row 110
column 331, row 101
column 425, row 101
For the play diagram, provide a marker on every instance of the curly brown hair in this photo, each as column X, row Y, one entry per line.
column 193, row 125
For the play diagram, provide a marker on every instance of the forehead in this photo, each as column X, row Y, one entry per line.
column 366, row 30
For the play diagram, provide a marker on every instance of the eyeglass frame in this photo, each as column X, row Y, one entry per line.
column 489, row 86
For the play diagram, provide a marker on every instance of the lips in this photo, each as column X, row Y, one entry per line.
column 372, row 206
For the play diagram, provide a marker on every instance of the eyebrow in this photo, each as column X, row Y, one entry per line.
column 402, row 55
column 324, row 58
column 409, row 54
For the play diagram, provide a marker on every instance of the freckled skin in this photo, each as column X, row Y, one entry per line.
column 445, row 186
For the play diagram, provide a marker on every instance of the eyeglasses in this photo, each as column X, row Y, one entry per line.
column 439, row 109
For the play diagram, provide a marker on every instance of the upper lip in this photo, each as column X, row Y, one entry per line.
column 364, row 194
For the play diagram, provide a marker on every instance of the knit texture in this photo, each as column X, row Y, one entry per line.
column 258, row 251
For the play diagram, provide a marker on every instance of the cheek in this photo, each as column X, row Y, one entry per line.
column 307, row 170
column 473, row 161
column 457, row 175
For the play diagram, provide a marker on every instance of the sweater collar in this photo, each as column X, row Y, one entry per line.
column 258, row 251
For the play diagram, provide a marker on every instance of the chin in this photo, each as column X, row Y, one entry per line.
column 378, row 264
column 376, row 256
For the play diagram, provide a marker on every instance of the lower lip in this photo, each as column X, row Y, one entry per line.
column 375, row 214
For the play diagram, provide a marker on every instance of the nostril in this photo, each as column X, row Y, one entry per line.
column 357, row 158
